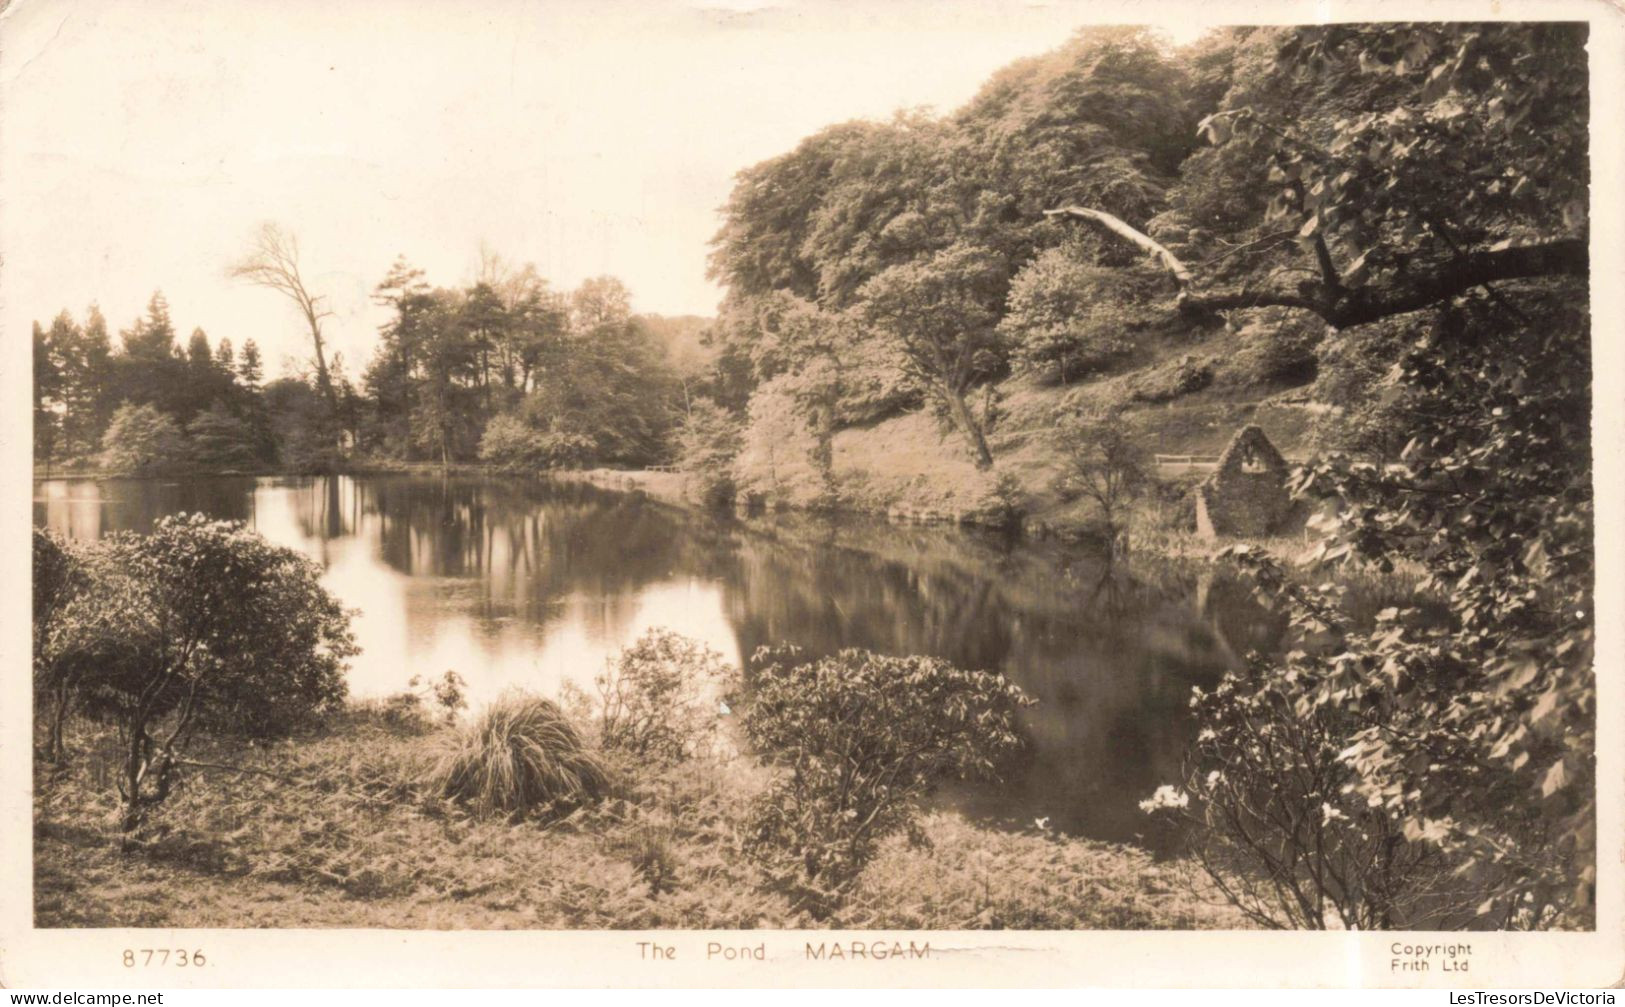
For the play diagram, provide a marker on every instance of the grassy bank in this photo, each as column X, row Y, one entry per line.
column 1180, row 392
column 333, row 829
column 910, row 468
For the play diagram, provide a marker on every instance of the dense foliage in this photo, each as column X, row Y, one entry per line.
column 1485, row 745
column 141, row 440
column 141, row 405
column 1277, row 820
column 660, row 698
column 504, row 371
column 861, row 738
column 199, row 625
column 1396, row 213
column 922, row 226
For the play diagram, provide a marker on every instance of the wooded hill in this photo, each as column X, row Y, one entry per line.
column 1245, row 229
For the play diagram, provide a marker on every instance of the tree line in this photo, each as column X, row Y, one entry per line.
column 147, row 400
column 504, row 370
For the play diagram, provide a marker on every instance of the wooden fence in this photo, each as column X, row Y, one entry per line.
column 1169, row 464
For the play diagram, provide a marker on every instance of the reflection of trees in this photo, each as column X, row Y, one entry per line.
column 522, row 547
column 1109, row 653
column 1109, row 650
column 87, row 509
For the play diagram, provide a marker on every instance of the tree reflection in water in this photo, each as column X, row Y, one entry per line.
column 532, row 583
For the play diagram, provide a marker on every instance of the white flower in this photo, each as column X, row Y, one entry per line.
column 1208, row 734
column 1329, row 814
column 1167, row 796
column 1214, row 778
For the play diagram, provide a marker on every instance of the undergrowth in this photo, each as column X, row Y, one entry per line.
column 337, row 828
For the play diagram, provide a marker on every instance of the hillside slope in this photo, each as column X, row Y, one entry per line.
column 1181, row 393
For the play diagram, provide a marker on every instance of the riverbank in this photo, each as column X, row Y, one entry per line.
column 1152, row 526
column 1155, row 524
column 329, row 830
column 355, row 467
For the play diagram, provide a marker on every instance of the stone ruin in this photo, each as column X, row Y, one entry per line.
column 1246, row 496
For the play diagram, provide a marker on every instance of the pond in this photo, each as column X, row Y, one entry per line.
column 533, row 583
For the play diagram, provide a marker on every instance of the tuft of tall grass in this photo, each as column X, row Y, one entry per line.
column 519, row 756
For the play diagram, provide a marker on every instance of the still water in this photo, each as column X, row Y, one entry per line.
column 530, row 584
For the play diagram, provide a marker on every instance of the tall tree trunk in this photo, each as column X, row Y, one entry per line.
column 324, row 380
column 961, row 415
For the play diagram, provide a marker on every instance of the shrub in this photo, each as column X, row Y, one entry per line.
column 1100, row 461
column 142, row 439
column 707, row 444
column 198, row 624
column 1277, row 825
column 861, row 738
column 425, row 702
column 658, row 698
column 221, row 440
column 59, row 577
column 520, row 756
column 1067, row 318
column 509, row 443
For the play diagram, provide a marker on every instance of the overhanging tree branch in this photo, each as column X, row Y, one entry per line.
column 1170, row 261
column 1342, row 307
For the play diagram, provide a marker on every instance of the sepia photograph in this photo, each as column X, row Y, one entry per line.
column 661, row 466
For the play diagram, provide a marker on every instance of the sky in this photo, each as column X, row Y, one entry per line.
column 141, row 145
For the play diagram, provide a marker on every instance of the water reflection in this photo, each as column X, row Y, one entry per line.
column 533, row 584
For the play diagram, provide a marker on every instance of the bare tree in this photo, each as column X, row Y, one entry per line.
column 273, row 263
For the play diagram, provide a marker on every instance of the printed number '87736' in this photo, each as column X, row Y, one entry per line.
column 179, row 957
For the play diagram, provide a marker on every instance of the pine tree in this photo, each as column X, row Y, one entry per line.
column 248, row 368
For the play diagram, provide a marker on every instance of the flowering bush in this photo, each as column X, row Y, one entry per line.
column 1276, row 821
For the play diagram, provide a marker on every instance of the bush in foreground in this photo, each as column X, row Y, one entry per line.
column 520, row 756
column 1277, row 824
column 862, row 737
column 658, row 698
column 199, row 626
